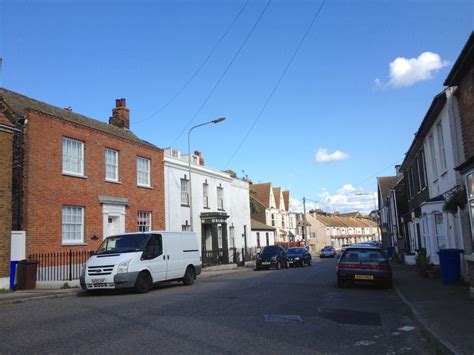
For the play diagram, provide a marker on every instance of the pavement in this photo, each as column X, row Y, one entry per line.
column 445, row 311
column 49, row 290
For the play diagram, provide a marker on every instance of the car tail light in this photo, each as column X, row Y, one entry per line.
column 364, row 266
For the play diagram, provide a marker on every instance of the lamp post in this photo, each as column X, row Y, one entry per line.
column 217, row 120
column 368, row 194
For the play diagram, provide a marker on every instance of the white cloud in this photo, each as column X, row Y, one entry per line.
column 408, row 71
column 322, row 156
column 343, row 200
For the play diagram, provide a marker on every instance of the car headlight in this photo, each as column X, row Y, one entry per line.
column 274, row 258
column 297, row 258
column 123, row 266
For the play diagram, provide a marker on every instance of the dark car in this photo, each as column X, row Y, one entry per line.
column 299, row 256
column 363, row 264
column 272, row 256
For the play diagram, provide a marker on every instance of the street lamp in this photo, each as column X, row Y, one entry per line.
column 217, row 120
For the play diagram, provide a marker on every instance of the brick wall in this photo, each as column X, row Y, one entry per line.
column 6, row 158
column 47, row 190
column 466, row 103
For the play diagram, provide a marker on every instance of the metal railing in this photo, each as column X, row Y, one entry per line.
column 61, row 266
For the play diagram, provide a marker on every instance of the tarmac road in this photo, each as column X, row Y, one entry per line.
column 299, row 310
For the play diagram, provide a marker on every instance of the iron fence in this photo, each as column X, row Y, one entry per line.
column 61, row 266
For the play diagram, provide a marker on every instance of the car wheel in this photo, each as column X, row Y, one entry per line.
column 189, row 276
column 340, row 283
column 257, row 268
column 143, row 282
column 302, row 263
column 310, row 262
column 321, row 256
column 278, row 265
column 287, row 265
column 388, row 284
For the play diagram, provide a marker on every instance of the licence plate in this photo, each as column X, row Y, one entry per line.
column 364, row 277
column 266, row 263
column 98, row 281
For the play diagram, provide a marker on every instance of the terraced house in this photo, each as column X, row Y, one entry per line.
column 83, row 179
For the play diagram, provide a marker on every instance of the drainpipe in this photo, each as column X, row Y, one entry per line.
column 19, row 174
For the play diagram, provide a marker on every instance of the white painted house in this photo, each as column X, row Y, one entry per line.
column 443, row 153
column 220, row 206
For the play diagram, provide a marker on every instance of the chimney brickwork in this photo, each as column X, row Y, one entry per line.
column 120, row 115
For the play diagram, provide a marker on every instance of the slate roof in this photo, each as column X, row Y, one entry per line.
column 20, row 104
column 259, row 226
column 463, row 63
column 386, row 183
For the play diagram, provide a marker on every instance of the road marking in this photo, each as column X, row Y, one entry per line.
column 273, row 318
column 364, row 343
column 406, row 328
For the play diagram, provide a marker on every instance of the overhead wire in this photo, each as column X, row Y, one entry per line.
column 223, row 73
column 198, row 70
column 262, row 110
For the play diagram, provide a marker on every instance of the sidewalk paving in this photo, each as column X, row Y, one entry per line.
column 445, row 311
column 40, row 293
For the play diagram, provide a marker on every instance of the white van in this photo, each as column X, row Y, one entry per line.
column 138, row 260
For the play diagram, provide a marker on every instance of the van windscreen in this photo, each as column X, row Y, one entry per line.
column 127, row 243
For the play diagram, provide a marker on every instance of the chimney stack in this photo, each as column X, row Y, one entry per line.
column 120, row 114
column 199, row 154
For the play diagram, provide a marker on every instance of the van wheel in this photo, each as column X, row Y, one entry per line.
column 189, row 276
column 143, row 283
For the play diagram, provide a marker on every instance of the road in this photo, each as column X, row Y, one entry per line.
column 299, row 310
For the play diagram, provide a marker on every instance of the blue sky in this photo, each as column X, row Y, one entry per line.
column 86, row 54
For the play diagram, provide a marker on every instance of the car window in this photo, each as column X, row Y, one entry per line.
column 362, row 255
column 270, row 249
column 296, row 250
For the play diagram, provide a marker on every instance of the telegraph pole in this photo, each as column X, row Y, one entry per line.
column 303, row 231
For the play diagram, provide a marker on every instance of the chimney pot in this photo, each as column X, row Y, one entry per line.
column 117, row 103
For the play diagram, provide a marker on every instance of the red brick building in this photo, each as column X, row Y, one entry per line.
column 7, row 134
column 83, row 179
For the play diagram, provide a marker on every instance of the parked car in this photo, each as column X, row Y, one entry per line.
column 328, row 252
column 272, row 256
column 363, row 264
column 138, row 260
column 344, row 247
column 299, row 256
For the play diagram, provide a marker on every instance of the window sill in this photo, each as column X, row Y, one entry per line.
column 435, row 181
column 145, row 187
column 75, row 176
column 114, row 182
column 444, row 173
column 221, row 210
column 184, row 205
column 207, row 208
column 78, row 244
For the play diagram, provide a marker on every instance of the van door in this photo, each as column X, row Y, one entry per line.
column 174, row 255
column 154, row 257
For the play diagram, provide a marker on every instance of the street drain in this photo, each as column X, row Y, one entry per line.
column 348, row 316
column 272, row 318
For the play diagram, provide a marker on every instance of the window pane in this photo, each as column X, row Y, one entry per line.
column 72, row 224
column 72, row 156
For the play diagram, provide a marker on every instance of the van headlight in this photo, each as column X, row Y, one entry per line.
column 123, row 266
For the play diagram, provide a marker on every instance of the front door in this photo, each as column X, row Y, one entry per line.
column 113, row 226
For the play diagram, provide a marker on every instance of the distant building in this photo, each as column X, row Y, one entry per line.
column 336, row 230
